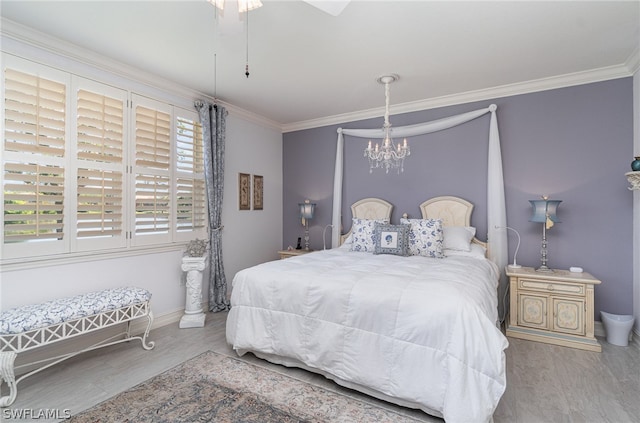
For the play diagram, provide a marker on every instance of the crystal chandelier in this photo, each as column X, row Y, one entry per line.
column 389, row 155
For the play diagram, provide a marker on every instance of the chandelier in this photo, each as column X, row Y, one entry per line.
column 243, row 5
column 389, row 155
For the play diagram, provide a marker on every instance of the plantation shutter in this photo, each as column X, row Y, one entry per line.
column 191, row 207
column 33, row 162
column 100, row 172
column 152, row 171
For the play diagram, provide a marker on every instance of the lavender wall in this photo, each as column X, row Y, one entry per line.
column 573, row 144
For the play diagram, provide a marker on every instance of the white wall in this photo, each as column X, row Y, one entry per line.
column 251, row 236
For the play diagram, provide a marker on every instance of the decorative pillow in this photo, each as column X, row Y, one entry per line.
column 347, row 242
column 362, row 234
column 458, row 237
column 476, row 251
column 425, row 237
column 391, row 239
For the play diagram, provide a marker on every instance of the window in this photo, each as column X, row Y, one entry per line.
column 190, row 186
column 35, row 133
column 152, row 171
column 84, row 171
column 100, row 165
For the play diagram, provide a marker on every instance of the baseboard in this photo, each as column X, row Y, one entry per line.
column 28, row 361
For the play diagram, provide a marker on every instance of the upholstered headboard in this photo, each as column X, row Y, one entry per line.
column 453, row 211
column 369, row 208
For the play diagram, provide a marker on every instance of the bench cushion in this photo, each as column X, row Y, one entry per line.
column 35, row 316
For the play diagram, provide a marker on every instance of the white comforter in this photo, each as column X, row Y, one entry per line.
column 418, row 330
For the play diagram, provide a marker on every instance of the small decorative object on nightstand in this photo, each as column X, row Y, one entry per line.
column 292, row 253
column 555, row 308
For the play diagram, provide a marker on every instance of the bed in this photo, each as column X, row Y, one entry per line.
column 419, row 330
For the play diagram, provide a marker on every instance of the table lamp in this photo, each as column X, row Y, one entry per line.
column 306, row 213
column 544, row 211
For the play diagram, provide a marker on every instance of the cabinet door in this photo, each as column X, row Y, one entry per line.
column 568, row 315
column 532, row 310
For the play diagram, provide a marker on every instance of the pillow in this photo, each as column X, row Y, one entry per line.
column 347, row 242
column 362, row 234
column 391, row 239
column 476, row 251
column 425, row 237
column 458, row 237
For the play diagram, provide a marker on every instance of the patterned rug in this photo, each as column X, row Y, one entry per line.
column 216, row 388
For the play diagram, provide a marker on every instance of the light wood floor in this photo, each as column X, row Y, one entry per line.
column 545, row 383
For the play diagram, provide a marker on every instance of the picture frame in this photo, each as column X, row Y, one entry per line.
column 244, row 191
column 258, row 192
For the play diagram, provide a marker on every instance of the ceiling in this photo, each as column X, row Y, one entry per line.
column 307, row 66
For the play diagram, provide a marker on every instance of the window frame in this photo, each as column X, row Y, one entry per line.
column 73, row 248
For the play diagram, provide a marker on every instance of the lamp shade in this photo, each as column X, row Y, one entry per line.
column 307, row 209
column 543, row 209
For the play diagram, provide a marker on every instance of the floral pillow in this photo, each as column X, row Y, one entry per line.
column 362, row 234
column 425, row 237
column 391, row 239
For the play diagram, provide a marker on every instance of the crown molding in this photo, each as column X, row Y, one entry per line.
column 633, row 61
column 31, row 44
column 543, row 84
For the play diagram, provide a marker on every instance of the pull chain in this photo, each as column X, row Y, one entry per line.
column 246, row 68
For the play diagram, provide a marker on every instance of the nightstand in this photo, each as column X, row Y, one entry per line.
column 552, row 307
column 292, row 253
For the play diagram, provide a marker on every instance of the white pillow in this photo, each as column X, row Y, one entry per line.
column 362, row 234
column 347, row 242
column 425, row 237
column 458, row 237
column 476, row 251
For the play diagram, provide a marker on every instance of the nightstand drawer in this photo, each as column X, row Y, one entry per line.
column 551, row 287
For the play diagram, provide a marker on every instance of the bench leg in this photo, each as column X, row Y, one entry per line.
column 7, row 374
column 151, row 344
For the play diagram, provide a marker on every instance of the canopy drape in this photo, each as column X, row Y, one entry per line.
column 496, row 207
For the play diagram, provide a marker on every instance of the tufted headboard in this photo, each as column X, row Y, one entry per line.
column 369, row 208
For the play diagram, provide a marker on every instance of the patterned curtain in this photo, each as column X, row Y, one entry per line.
column 212, row 118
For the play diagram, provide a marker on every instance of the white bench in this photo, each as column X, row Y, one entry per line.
column 32, row 326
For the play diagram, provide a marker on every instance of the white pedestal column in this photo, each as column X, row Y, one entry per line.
column 193, row 314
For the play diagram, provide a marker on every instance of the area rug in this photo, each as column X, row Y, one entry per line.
column 216, row 388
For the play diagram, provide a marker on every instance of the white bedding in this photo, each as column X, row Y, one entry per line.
column 419, row 331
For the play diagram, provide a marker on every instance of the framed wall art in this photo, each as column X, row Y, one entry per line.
column 244, row 191
column 258, row 192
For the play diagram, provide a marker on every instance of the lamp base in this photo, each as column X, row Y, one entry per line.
column 514, row 266
column 544, row 269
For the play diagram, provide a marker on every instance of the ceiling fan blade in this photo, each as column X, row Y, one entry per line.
column 332, row 7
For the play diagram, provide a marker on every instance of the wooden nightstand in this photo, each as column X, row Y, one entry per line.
column 292, row 253
column 553, row 307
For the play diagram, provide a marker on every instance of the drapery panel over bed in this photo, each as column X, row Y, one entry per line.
column 496, row 207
